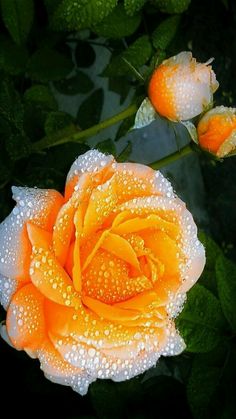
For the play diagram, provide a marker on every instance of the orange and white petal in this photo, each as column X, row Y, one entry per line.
column 88, row 328
column 59, row 371
column 8, row 287
column 137, row 180
column 25, row 319
column 102, row 201
column 79, row 364
column 93, row 161
column 64, row 228
column 46, row 273
column 174, row 210
column 36, row 205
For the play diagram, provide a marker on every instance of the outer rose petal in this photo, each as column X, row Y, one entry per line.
column 8, row 288
column 36, row 205
column 25, row 319
column 59, row 371
column 93, row 161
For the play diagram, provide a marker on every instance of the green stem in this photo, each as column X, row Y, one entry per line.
column 81, row 136
column 172, row 157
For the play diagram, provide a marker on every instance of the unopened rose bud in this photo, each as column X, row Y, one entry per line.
column 181, row 88
column 217, row 131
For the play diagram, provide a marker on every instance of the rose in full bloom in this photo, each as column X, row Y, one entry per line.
column 181, row 88
column 217, row 131
column 92, row 280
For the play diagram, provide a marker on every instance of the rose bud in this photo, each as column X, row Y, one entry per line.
column 181, row 88
column 217, row 131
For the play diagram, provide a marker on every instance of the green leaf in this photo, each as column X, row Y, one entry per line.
column 84, row 54
column 11, row 108
column 43, row 177
column 136, row 55
column 5, row 172
column 56, row 121
column 165, row 32
column 226, row 284
column 118, row 24
column 201, row 322
column 18, row 16
column 207, row 371
column 120, row 86
column 107, row 147
column 172, row 6
column 125, row 153
column 133, row 6
column 42, row 96
column 90, row 110
column 110, row 400
column 208, row 277
column 80, row 83
column 13, row 58
column 81, row 14
column 47, row 64
column 51, row 5
column 124, row 127
column 18, row 146
column 61, row 157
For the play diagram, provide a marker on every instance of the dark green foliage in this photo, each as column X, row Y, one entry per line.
column 40, row 95
column 213, row 252
column 131, row 59
column 13, row 57
column 47, row 64
column 201, row 323
column 226, row 283
column 17, row 16
column 80, row 14
column 165, row 32
column 172, row 6
column 84, row 54
column 118, row 24
column 90, row 110
column 79, row 83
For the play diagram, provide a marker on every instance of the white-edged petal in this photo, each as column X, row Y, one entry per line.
column 7, row 288
column 90, row 162
column 32, row 204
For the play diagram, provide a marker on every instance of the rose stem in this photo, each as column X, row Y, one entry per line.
column 172, row 157
column 80, row 136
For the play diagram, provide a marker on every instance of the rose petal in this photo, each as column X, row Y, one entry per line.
column 8, row 287
column 36, row 205
column 93, row 161
column 102, row 201
column 47, row 274
column 25, row 319
column 57, row 370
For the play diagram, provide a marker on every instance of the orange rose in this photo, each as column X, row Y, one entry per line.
column 92, row 281
column 217, row 131
column 180, row 88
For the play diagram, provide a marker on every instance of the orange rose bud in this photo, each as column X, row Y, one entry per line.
column 92, row 281
column 181, row 88
column 217, row 131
